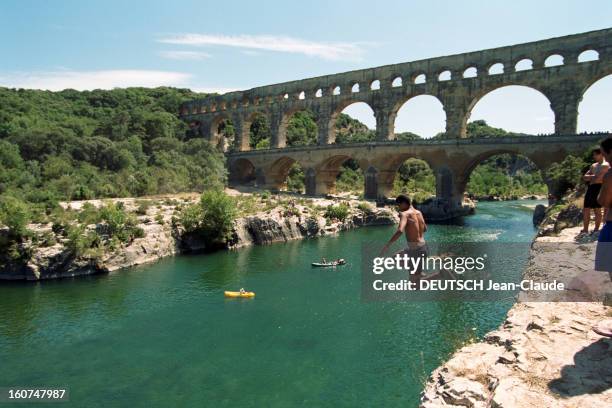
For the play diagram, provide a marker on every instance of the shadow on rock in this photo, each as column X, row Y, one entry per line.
column 590, row 374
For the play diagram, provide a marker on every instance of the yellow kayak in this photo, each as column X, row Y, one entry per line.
column 239, row 295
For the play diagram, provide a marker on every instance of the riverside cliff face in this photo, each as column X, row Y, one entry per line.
column 163, row 238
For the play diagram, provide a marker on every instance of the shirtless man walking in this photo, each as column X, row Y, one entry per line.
column 412, row 224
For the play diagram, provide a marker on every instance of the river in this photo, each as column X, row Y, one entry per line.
column 164, row 335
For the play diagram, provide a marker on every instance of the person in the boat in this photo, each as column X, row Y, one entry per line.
column 242, row 291
column 323, row 260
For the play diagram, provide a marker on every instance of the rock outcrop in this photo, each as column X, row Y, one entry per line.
column 539, row 213
column 267, row 228
column 544, row 354
column 438, row 209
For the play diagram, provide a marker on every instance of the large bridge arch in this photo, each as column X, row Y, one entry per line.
column 241, row 172
column 285, row 121
column 338, row 109
column 276, row 174
column 593, row 115
column 216, row 137
column 247, row 126
column 409, row 101
column 488, row 91
column 461, row 173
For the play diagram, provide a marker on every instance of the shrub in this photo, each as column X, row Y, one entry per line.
column 291, row 212
column 143, row 206
column 337, row 212
column 190, row 217
column 81, row 241
column 15, row 214
column 364, row 207
column 89, row 214
column 120, row 224
column 218, row 214
column 567, row 174
column 212, row 218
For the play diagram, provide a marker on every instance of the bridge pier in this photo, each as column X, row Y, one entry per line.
column 457, row 115
column 241, row 135
column 384, row 124
column 449, row 187
column 564, row 103
column 378, row 184
column 318, row 183
column 326, row 133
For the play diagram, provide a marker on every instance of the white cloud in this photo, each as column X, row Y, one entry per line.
column 325, row 50
column 213, row 89
column 185, row 55
column 83, row 80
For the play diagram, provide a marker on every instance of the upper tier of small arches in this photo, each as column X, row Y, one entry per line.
column 418, row 73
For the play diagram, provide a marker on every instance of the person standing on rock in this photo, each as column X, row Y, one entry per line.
column 603, row 252
column 594, row 176
column 603, row 255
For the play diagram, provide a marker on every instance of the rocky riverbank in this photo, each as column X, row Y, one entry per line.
column 270, row 219
column 545, row 354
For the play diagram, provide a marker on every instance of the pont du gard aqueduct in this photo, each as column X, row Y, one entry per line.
column 457, row 81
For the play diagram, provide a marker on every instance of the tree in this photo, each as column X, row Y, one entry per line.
column 15, row 214
column 260, row 133
column 212, row 218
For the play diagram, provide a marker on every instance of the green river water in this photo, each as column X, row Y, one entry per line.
column 164, row 335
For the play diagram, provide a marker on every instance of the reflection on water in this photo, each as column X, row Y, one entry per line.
column 164, row 335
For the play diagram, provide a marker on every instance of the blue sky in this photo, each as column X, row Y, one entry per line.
column 228, row 45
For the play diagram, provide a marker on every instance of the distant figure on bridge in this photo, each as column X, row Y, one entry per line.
column 594, row 176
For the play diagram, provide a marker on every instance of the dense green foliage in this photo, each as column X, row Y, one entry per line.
column 337, row 212
column 350, row 178
column 416, row 179
column 211, row 218
column 506, row 175
column 295, row 179
column 302, row 129
column 260, row 134
column 81, row 145
column 114, row 226
column 349, row 130
column 568, row 173
column 15, row 215
column 480, row 128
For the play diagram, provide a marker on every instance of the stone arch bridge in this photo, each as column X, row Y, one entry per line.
column 554, row 67
column 452, row 161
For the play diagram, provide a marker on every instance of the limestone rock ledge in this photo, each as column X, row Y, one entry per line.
column 273, row 227
column 543, row 355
